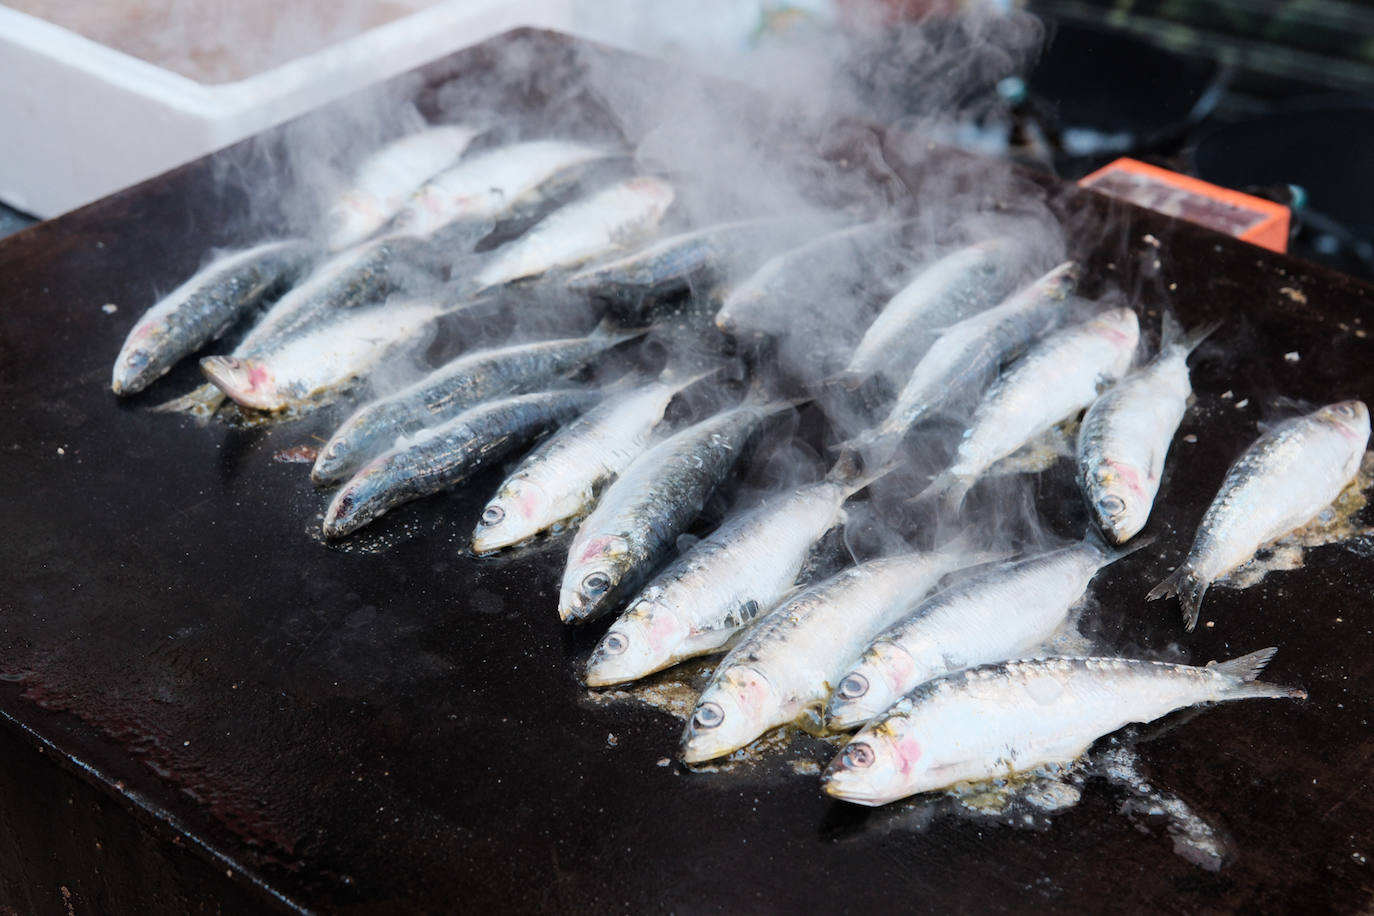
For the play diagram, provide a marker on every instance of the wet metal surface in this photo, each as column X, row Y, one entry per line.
column 391, row 725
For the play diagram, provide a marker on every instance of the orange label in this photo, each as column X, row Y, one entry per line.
column 1244, row 216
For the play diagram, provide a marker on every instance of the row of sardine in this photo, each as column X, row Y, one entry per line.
column 936, row 676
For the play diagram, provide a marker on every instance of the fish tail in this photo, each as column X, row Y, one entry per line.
column 849, row 471
column 679, row 379
column 876, row 446
column 202, row 402
column 609, row 331
column 954, row 492
column 1112, row 552
column 947, row 492
column 1247, row 669
column 1189, row 587
column 968, row 545
column 1172, row 334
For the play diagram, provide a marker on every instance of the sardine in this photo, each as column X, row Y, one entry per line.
column 444, row 455
column 670, row 264
column 451, row 389
column 952, row 289
column 764, row 303
column 995, row 720
column 362, row 276
column 1281, row 482
column 486, row 186
column 784, row 668
column 318, row 362
column 1060, row 376
column 1126, row 435
column 558, row 481
column 639, row 517
column 384, row 181
column 719, row 586
column 203, row 308
column 1006, row 612
column 966, row 357
column 590, row 227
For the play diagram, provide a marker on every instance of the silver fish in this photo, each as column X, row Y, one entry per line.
column 558, row 481
column 764, row 303
column 203, row 307
column 1126, row 434
column 386, row 179
column 362, row 276
column 1006, row 612
column 1281, row 482
column 1061, row 375
column 995, row 720
column 486, row 186
column 444, row 455
column 639, row 517
column 670, row 264
column 966, row 357
column 314, row 363
column 952, row 289
column 784, row 667
column 591, row 227
column 719, row 586
column 451, row 389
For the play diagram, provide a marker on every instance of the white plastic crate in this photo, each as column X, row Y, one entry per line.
column 81, row 120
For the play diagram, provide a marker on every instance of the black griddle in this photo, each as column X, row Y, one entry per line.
column 207, row 709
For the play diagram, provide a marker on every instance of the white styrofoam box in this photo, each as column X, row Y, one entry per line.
column 80, row 120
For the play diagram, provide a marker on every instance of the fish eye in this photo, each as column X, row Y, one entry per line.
column 1112, row 504
column 492, row 515
column 853, row 686
column 596, row 583
column 858, row 756
column 1345, row 410
column 708, row 715
column 614, row 643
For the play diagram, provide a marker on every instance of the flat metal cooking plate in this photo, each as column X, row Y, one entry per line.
column 400, row 727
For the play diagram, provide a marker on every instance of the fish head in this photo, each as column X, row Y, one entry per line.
column 339, row 454
column 882, row 763
column 590, row 582
column 1060, row 282
column 639, row 643
column 356, row 216
column 1350, row 418
column 135, row 368
column 355, row 503
column 871, row 686
column 735, row 315
column 656, row 193
column 1120, row 500
column 515, row 514
column 248, row 381
column 1120, row 326
column 737, row 707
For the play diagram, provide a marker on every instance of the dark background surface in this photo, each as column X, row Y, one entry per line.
column 245, row 717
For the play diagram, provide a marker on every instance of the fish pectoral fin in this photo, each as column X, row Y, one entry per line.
column 737, row 618
column 812, row 720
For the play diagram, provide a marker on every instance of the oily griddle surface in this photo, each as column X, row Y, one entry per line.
column 392, row 725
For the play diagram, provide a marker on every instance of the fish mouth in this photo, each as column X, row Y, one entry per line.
column 573, row 611
column 699, row 747
column 840, row 782
column 850, row 713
